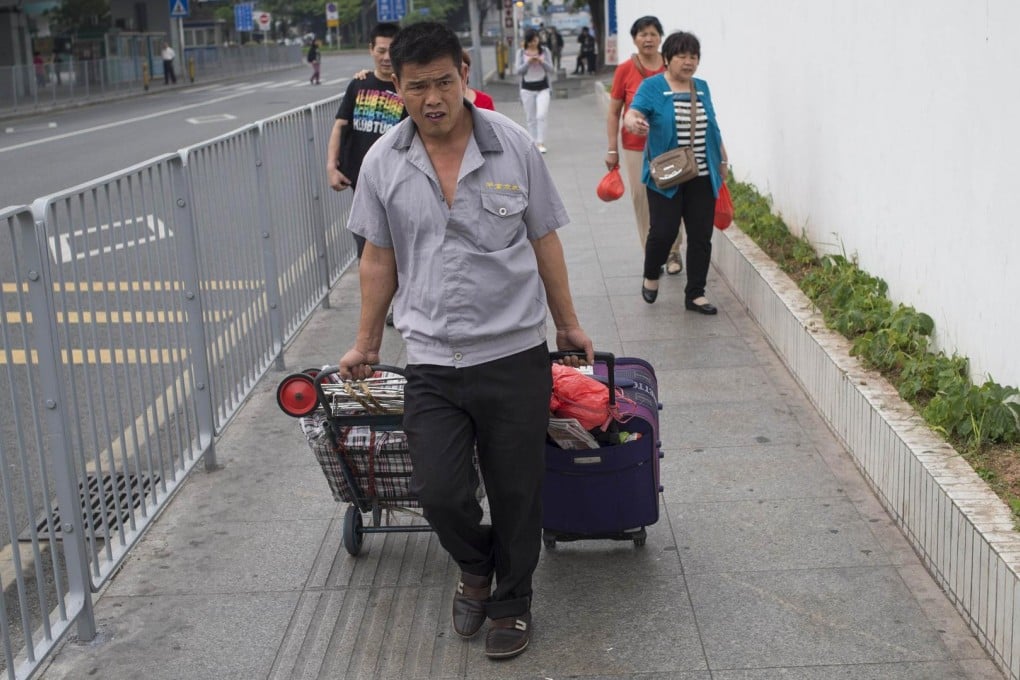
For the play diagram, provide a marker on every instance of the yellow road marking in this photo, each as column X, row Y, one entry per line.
column 133, row 286
column 117, row 317
column 18, row 357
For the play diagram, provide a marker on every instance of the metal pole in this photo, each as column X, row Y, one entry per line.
column 477, row 75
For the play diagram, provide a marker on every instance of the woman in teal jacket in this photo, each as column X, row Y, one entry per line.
column 661, row 110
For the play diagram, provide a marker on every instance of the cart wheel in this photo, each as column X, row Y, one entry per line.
column 311, row 371
column 352, row 531
column 296, row 395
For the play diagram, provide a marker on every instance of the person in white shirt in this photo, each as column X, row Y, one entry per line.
column 168, row 56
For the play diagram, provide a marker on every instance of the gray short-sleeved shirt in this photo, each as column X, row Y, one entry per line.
column 469, row 285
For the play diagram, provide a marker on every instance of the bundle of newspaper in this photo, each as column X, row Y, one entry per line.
column 568, row 434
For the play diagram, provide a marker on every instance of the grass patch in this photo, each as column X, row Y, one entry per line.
column 982, row 422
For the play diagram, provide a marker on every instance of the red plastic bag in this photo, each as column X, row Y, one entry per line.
column 611, row 186
column 723, row 208
column 576, row 395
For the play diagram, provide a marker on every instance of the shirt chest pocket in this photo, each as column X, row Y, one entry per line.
column 501, row 219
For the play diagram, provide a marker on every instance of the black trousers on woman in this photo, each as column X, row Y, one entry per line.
column 694, row 203
column 503, row 407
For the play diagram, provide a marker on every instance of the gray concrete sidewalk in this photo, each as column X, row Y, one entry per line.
column 771, row 558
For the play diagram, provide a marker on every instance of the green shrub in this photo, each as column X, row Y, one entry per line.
column 895, row 339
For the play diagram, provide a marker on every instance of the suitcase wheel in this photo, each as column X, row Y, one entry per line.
column 353, row 537
column 639, row 538
column 548, row 540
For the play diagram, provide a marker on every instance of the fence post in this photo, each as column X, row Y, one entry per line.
column 315, row 172
column 272, row 270
column 186, row 239
column 54, row 414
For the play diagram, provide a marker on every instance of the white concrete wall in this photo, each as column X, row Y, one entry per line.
column 887, row 130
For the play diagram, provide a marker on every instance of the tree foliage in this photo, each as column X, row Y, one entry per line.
column 73, row 15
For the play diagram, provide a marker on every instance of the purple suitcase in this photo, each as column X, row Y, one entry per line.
column 611, row 492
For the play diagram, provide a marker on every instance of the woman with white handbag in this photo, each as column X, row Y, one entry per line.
column 674, row 110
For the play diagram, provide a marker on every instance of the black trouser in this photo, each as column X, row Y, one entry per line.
column 168, row 71
column 694, row 203
column 503, row 407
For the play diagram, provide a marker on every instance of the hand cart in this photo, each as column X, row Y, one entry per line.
column 354, row 429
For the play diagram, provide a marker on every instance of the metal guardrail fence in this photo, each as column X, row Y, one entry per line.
column 29, row 87
column 138, row 312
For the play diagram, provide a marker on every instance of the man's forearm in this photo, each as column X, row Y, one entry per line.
column 553, row 269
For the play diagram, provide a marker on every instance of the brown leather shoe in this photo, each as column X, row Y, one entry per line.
column 508, row 637
column 469, row 603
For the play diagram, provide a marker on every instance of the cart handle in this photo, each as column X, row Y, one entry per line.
column 607, row 357
column 333, row 370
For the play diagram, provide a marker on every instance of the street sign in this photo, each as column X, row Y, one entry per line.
column 179, row 8
column 244, row 20
column 391, row 10
column 332, row 11
column 264, row 20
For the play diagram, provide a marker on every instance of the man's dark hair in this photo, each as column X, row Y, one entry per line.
column 680, row 43
column 423, row 43
column 383, row 30
column 643, row 23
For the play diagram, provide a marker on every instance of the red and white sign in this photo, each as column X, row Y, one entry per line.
column 264, row 20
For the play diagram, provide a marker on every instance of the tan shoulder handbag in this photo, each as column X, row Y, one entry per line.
column 678, row 165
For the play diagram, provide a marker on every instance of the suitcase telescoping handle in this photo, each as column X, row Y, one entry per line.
column 607, row 357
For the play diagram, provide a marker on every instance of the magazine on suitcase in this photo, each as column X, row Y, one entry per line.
column 611, row 492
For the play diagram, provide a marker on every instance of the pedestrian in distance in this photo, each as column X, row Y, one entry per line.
column 314, row 58
column 556, row 47
column 370, row 107
column 534, row 65
column 647, row 61
column 586, row 55
column 459, row 205
column 168, row 55
column 661, row 111
column 40, row 69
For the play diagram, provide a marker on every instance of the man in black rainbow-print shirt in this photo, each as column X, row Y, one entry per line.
column 369, row 108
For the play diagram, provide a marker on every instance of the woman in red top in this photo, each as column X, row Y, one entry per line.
column 476, row 97
column 647, row 35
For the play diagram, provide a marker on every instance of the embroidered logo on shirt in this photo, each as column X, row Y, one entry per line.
column 499, row 186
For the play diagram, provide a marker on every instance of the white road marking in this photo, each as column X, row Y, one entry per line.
column 60, row 246
column 119, row 123
column 30, row 128
column 214, row 118
column 285, row 83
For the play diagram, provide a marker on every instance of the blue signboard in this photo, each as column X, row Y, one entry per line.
column 391, row 10
column 179, row 8
column 244, row 16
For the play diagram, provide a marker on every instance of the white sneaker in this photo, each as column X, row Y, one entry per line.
column 541, row 148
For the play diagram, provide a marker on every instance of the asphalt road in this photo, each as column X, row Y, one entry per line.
column 48, row 152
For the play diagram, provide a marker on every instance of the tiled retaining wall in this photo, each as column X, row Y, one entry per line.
column 962, row 531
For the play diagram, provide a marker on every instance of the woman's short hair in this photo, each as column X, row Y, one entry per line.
column 423, row 43
column 680, row 42
column 530, row 35
column 643, row 23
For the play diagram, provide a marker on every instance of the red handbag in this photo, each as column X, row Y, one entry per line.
column 610, row 187
column 723, row 209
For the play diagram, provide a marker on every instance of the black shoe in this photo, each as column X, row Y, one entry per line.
column 508, row 637
column 648, row 294
column 469, row 604
column 705, row 308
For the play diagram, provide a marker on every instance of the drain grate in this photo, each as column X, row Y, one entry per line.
column 99, row 492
